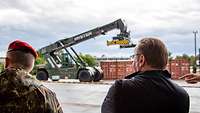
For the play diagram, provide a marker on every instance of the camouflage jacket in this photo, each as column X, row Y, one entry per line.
column 20, row 93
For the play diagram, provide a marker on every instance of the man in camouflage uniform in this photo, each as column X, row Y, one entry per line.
column 19, row 91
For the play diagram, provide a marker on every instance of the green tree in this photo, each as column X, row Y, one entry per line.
column 184, row 56
column 191, row 59
column 90, row 60
column 40, row 60
column 1, row 66
column 170, row 55
column 178, row 57
column 170, row 60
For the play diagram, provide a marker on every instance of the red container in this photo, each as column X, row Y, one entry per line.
column 178, row 67
column 116, row 69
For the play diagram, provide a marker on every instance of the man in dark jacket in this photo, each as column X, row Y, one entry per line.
column 149, row 89
column 19, row 91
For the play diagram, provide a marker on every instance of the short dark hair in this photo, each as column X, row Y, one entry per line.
column 21, row 59
column 154, row 51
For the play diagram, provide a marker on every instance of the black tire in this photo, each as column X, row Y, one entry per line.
column 98, row 75
column 85, row 76
column 42, row 75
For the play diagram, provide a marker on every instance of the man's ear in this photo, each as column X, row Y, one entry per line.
column 7, row 62
column 142, row 60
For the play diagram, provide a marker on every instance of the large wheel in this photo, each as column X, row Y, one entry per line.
column 42, row 75
column 85, row 75
column 98, row 74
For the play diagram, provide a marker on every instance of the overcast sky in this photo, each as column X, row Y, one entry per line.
column 41, row 22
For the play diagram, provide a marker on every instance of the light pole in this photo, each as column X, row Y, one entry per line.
column 199, row 58
column 195, row 51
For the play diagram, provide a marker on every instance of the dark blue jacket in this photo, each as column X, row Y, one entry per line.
column 147, row 92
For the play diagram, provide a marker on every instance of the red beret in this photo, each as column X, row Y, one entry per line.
column 22, row 46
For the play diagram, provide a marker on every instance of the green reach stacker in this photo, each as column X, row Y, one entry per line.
column 64, row 64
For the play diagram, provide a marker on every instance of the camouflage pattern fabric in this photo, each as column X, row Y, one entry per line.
column 21, row 93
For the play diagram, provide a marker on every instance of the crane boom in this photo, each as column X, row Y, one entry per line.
column 67, row 42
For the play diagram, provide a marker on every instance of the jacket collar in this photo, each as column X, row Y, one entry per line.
column 163, row 72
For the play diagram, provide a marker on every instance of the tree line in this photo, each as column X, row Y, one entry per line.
column 189, row 58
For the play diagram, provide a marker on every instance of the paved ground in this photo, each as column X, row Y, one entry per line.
column 78, row 97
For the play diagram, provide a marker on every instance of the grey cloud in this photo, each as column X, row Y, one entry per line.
column 5, row 4
column 48, row 22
